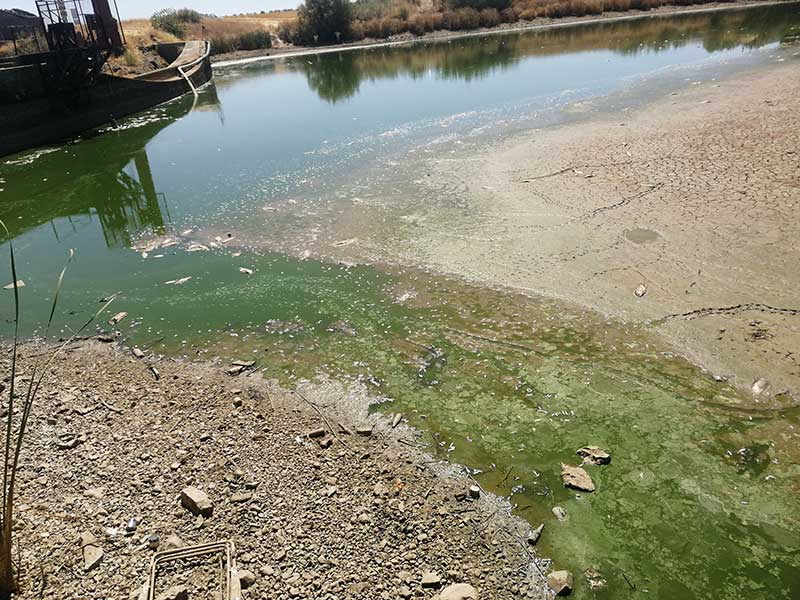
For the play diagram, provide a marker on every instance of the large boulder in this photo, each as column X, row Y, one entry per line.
column 560, row 582
column 576, row 478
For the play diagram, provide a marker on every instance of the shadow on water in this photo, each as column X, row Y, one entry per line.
column 338, row 76
column 110, row 177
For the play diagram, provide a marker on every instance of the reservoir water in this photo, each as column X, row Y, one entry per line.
column 278, row 168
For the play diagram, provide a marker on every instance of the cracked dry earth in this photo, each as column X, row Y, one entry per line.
column 695, row 197
column 111, row 449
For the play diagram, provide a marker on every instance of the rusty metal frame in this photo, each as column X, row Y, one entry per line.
column 233, row 590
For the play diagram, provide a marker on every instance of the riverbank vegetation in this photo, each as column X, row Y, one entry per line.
column 380, row 19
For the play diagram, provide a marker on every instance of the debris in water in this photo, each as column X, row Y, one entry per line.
column 760, row 386
column 117, row 318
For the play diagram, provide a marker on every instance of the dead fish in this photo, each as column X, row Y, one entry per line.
column 180, row 281
column 197, row 248
column 10, row 286
column 245, row 270
column 640, row 290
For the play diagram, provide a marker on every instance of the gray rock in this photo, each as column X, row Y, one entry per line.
column 92, row 552
column 92, row 555
column 576, row 478
column 560, row 582
column 197, row 501
column 459, row 591
column 246, row 578
column 594, row 455
column 431, row 580
column 474, row 492
column 240, row 497
column 174, row 541
column 176, row 592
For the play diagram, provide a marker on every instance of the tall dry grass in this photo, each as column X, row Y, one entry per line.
column 380, row 19
column 17, row 408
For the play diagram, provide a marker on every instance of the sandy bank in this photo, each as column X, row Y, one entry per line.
column 695, row 197
column 363, row 517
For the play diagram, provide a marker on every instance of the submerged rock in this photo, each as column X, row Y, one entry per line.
column 560, row 582
column 576, row 478
column 594, row 455
column 559, row 513
column 594, row 579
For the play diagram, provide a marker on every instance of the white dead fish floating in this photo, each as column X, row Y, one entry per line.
column 187, row 232
column 197, row 248
column 640, row 290
column 10, row 286
column 245, row 270
column 117, row 318
column 169, row 243
column 180, row 281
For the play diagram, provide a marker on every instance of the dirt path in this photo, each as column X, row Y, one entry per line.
column 694, row 197
column 342, row 515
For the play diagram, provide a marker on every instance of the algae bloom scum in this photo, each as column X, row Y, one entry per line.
column 228, row 232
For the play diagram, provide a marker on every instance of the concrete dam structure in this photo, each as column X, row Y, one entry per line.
column 47, row 97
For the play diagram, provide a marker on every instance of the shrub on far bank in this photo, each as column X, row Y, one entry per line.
column 248, row 40
column 323, row 22
column 173, row 21
column 380, row 19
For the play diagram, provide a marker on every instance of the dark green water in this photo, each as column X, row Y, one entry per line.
column 700, row 500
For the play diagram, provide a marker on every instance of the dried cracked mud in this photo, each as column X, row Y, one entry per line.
column 693, row 200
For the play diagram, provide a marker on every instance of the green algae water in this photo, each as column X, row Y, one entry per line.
column 700, row 499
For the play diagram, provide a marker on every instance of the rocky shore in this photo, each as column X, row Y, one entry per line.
column 131, row 454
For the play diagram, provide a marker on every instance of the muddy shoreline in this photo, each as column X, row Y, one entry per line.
column 688, row 197
column 243, row 57
column 340, row 514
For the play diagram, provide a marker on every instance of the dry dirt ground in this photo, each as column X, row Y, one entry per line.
column 695, row 197
column 111, row 448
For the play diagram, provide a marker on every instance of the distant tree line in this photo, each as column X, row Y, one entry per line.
column 334, row 21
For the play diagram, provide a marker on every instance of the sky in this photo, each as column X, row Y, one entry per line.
column 134, row 9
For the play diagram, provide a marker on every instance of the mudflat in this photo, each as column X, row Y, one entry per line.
column 681, row 215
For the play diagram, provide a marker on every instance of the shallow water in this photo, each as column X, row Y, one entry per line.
column 700, row 498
